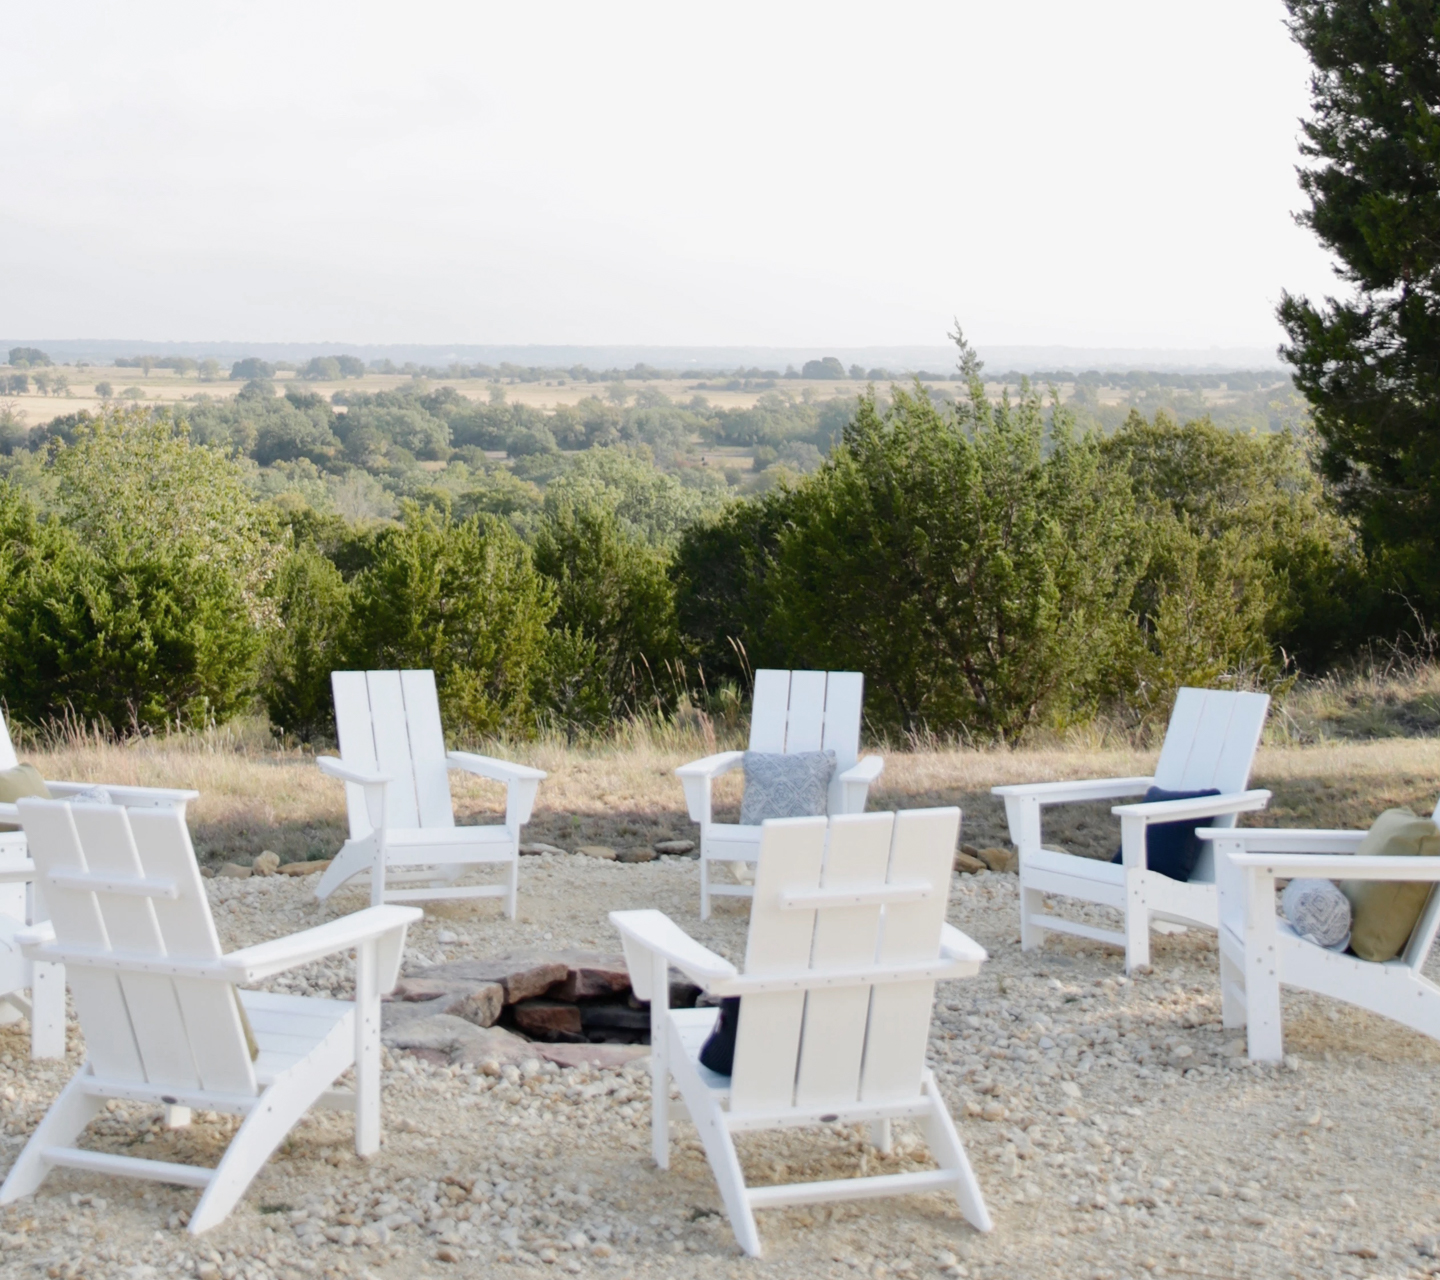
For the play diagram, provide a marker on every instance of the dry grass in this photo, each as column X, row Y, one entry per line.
column 256, row 796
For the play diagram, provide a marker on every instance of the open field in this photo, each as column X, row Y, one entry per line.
column 164, row 387
column 1102, row 1156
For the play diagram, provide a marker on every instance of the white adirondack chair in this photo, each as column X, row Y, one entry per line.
column 21, row 905
column 847, row 940
column 131, row 923
column 397, row 790
column 1210, row 742
column 1260, row 952
column 791, row 711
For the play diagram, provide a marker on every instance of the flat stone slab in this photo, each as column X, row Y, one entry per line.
column 523, row 977
column 674, row 848
column 636, row 855
column 302, row 868
column 602, row 851
column 462, row 1041
column 589, row 1055
column 537, row 847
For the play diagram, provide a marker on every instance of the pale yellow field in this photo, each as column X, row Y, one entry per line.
column 255, row 797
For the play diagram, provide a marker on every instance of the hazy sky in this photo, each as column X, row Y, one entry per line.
column 1113, row 173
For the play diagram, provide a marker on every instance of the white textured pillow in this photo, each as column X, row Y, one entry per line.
column 1318, row 912
column 91, row 795
column 785, row 786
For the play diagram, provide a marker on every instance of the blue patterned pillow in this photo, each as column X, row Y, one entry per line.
column 785, row 786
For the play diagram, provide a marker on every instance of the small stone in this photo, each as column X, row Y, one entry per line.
column 636, row 855
column 267, row 863
column 993, row 1111
column 603, row 851
column 968, row 864
column 969, row 850
column 482, row 1006
column 446, row 1254
column 446, row 936
column 1070, row 1089
column 303, row 868
column 1256, row 1219
column 208, row 1271
column 1362, row 1251
column 674, row 848
column 234, row 871
column 533, row 848
column 997, row 859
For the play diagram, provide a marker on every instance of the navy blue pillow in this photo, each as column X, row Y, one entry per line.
column 718, row 1051
column 1172, row 848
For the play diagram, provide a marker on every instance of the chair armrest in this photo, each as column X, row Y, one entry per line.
column 1200, row 807
column 697, row 776
column 491, row 767
column 1332, row 866
column 38, row 934
column 865, row 770
column 337, row 768
column 1271, row 840
column 521, row 783
column 1074, row 792
column 955, row 945
column 131, row 797
column 711, row 766
column 654, row 932
column 265, row 958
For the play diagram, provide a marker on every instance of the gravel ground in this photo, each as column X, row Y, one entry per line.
column 1116, row 1130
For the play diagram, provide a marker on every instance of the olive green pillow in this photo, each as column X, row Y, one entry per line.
column 23, row 780
column 1384, row 912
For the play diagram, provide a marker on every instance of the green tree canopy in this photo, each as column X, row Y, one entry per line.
column 1368, row 363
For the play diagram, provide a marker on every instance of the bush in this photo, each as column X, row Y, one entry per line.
column 312, row 604
column 979, row 580
column 613, row 589
column 463, row 599
column 139, row 602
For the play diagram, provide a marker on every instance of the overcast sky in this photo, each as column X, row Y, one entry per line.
column 1117, row 173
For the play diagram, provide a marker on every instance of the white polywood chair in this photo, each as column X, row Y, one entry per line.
column 397, row 790
column 791, row 711
column 21, row 906
column 131, row 923
column 847, row 940
column 1260, row 952
column 1210, row 742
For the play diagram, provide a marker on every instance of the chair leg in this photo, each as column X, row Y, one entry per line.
column 704, row 884
column 512, row 899
column 880, row 1136
column 1264, row 1031
column 1232, row 988
column 353, row 858
column 47, row 1010
column 1137, row 924
column 367, row 1050
column 720, row 1152
column 949, row 1153
column 63, row 1123
column 1032, row 903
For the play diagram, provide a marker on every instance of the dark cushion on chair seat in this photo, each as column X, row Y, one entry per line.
column 718, row 1051
column 1172, row 848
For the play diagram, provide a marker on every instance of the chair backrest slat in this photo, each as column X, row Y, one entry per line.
column 767, row 1043
column 844, row 696
column 357, row 742
column 834, row 1045
column 7, row 748
column 427, row 749
column 181, row 1033
column 769, row 709
column 805, row 722
column 924, row 850
column 1211, row 740
column 392, row 745
column 833, row 1050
